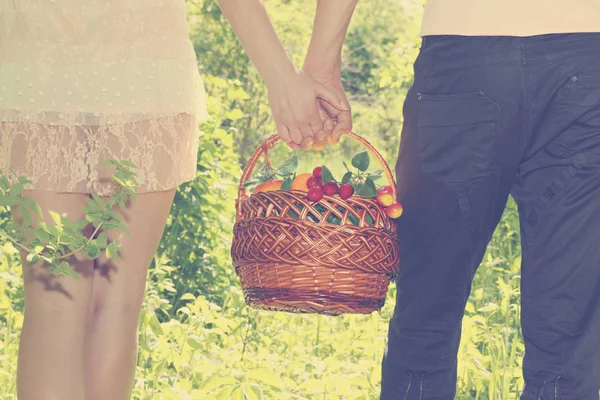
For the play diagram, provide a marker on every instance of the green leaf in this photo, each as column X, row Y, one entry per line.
column 238, row 93
column 128, row 163
column 287, row 183
column 99, row 201
column 43, row 235
column 54, row 268
column 35, row 207
column 9, row 200
column 93, row 251
column 102, row 240
column 361, row 161
column 16, row 189
column 80, row 224
column 187, row 296
column 55, row 217
column 112, row 251
column 347, row 177
column 12, row 226
column 288, row 166
column 326, row 175
column 235, row 114
column 65, row 269
column 155, row 325
column 346, row 166
column 250, row 183
column 92, row 206
column 238, row 394
column 368, row 189
column 264, row 376
column 32, row 258
column 194, row 342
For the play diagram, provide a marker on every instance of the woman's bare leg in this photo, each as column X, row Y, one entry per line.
column 51, row 351
column 118, row 293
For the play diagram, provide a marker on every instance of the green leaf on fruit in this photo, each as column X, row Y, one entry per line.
column 249, row 183
column 368, row 189
column 361, row 161
column 346, row 166
column 326, row 175
column 287, row 183
column 288, row 166
column 347, row 177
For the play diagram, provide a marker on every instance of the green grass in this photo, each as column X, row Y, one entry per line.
column 228, row 351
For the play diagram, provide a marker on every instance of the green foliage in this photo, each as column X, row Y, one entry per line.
column 55, row 243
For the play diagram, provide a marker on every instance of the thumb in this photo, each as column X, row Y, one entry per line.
column 332, row 97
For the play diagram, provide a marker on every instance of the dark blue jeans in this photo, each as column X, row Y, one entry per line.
column 487, row 117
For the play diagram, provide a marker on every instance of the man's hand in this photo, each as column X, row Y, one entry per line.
column 323, row 63
column 336, row 122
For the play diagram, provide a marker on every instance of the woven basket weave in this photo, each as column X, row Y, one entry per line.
column 290, row 257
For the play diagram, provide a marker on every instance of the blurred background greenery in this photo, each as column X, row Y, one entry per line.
column 198, row 338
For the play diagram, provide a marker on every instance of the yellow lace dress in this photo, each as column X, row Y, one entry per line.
column 83, row 81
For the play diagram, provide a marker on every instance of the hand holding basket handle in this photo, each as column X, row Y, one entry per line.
column 290, row 257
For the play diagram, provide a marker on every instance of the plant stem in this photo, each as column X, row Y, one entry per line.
column 82, row 247
column 6, row 235
column 12, row 239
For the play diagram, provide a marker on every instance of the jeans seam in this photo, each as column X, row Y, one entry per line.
column 409, row 385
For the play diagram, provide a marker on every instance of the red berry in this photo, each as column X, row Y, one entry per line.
column 394, row 211
column 314, row 182
column 317, row 172
column 386, row 190
column 330, row 188
column 346, row 191
column 315, row 194
column 384, row 199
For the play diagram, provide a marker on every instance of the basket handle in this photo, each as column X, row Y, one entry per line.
column 270, row 142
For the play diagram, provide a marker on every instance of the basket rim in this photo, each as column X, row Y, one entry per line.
column 301, row 196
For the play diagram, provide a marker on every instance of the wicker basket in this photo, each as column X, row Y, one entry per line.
column 290, row 258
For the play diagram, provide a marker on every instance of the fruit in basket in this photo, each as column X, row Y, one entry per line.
column 318, row 171
column 384, row 199
column 300, row 182
column 269, row 186
column 346, row 191
column 330, row 188
column 314, row 182
column 394, row 211
column 386, row 190
column 315, row 194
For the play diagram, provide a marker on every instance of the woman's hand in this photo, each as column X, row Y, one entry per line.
column 336, row 122
column 298, row 103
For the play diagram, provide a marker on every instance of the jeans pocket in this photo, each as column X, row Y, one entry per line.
column 458, row 136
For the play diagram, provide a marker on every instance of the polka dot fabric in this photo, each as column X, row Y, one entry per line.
column 82, row 81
